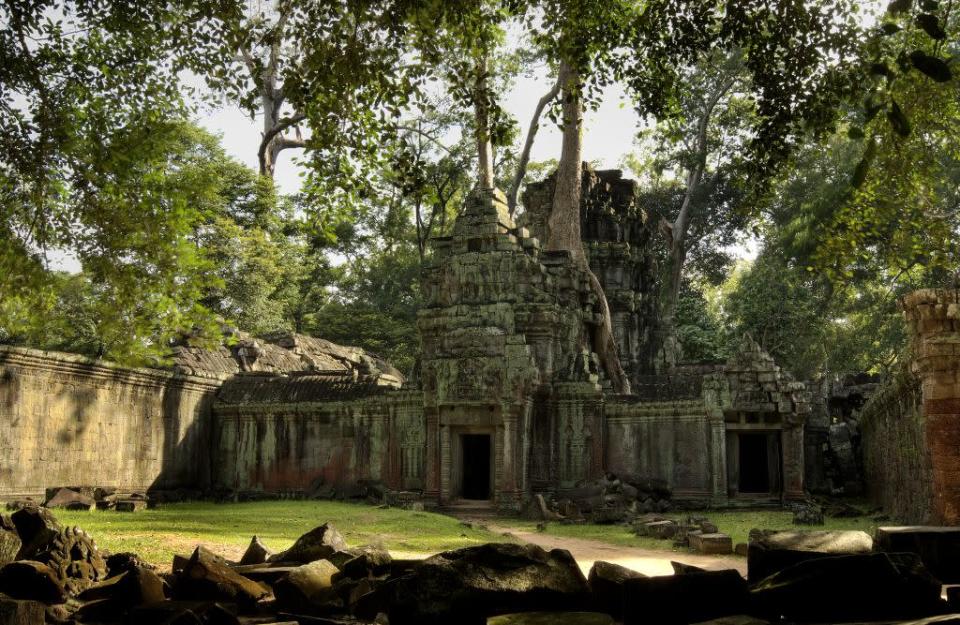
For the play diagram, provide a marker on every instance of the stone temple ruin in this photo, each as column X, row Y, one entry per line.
column 509, row 400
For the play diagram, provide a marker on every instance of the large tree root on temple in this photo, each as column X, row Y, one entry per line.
column 603, row 342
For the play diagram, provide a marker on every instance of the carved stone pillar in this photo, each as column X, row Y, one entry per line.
column 431, row 491
column 934, row 319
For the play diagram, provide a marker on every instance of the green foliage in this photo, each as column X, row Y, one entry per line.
column 813, row 327
column 699, row 329
column 219, row 245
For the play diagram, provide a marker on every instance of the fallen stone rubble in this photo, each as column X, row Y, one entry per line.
column 57, row 575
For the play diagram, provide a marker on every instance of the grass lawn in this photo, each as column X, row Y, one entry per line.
column 736, row 523
column 159, row 533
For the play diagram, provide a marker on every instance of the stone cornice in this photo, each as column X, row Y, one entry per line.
column 74, row 364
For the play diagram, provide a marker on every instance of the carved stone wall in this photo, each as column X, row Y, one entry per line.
column 918, row 433
column 501, row 320
column 65, row 419
column 284, row 442
column 896, row 460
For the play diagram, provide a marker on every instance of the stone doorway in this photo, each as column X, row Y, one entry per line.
column 476, row 468
column 754, row 464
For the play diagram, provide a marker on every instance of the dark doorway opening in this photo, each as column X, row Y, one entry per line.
column 476, row 466
column 754, row 463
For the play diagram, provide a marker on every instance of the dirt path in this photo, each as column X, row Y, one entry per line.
column 646, row 561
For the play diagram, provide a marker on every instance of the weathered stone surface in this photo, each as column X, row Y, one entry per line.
column 75, row 559
column 36, row 527
column 711, row 544
column 27, row 579
column 606, row 584
column 468, row 585
column 937, row 546
column 305, row 584
column 130, row 505
column 9, row 546
column 256, row 553
column 658, row 529
column 680, row 568
column 319, row 543
column 373, row 562
column 770, row 551
column 124, row 561
column 70, row 499
column 682, row 599
column 133, row 587
column 875, row 586
column 207, row 576
column 551, row 618
column 71, row 420
column 20, row 612
column 739, row 619
column 182, row 613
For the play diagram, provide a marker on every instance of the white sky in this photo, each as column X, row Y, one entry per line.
column 608, row 136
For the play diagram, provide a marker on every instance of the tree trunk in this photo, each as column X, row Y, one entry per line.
column 482, row 132
column 528, row 146
column 563, row 225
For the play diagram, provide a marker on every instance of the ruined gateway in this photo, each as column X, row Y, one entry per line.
column 508, row 401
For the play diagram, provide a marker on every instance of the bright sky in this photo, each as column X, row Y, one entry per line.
column 608, row 135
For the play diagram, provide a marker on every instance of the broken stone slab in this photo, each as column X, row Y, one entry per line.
column 680, row 568
column 738, row 619
column 711, row 544
column 937, row 546
column 31, row 580
column 606, row 584
column 183, row 613
column 118, row 563
column 268, row 573
column 207, row 576
column 305, row 585
column 36, row 527
column 70, row 500
column 770, row 551
column 470, row 584
column 136, row 586
column 373, row 562
column 130, row 505
column 682, row 599
column 552, row 618
column 10, row 545
column 845, row 588
column 659, row 529
column 741, row 549
column 256, row 553
column 21, row 612
column 317, row 544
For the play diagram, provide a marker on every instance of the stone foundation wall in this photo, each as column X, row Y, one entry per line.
column 299, row 447
column 895, row 457
column 673, row 441
column 67, row 420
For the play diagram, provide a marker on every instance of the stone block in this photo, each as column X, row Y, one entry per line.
column 130, row 505
column 606, row 585
column 552, row 618
column 712, row 544
column 937, row 546
column 770, row 551
column 14, row 612
column 659, row 529
column 682, row 599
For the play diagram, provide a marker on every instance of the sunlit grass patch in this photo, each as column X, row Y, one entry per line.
column 157, row 534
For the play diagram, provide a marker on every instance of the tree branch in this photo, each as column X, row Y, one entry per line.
column 269, row 135
column 528, row 145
